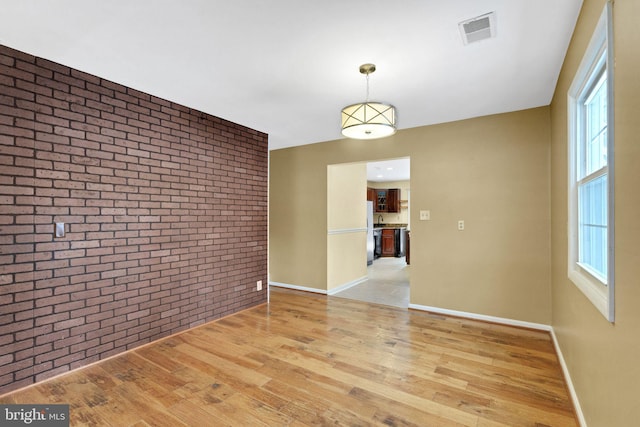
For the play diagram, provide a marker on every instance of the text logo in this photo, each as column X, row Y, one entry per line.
column 34, row 415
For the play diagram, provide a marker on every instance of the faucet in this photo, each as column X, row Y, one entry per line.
column 379, row 219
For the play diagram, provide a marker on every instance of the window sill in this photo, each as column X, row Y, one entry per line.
column 593, row 289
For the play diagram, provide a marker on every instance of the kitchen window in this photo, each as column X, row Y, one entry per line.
column 590, row 115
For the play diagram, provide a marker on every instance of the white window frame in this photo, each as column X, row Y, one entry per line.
column 599, row 53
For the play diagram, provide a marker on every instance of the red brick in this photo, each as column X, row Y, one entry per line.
column 51, row 373
column 45, row 141
column 16, row 366
column 51, row 337
column 53, row 84
column 17, row 307
column 101, row 349
column 144, row 187
column 65, row 131
column 15, row 249
column 10, row 111
column 73, row 80
column 52, row 355
column 16, row 131
column 41, row 62
column 77, row 108
column 96, row 88
column 89, row 330
column 67, row 324
column 77, row 102
column 8, row 56
column 47, row 101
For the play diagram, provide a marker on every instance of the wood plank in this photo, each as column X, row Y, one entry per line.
column 309, row 359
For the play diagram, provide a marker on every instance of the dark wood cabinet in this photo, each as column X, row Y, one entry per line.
column 388, row 242
column 381, row 201
column 371, row 194
column 384, row 199
column 393, row 200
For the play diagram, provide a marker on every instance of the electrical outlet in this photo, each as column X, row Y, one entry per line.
column 425, row 215
column 259, row 285
column 59, row 229
column 461, row 225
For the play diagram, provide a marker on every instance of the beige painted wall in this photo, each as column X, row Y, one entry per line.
column 401, row 217
column 347, row 256
column 346, row 224
column 298, row 218
column 492, row 172
column 603, row 358
column 346, row 196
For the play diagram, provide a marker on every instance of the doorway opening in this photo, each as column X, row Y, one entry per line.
column 388, row 230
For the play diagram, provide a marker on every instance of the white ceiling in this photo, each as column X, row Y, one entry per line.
column 287, row 67
column 389, row 170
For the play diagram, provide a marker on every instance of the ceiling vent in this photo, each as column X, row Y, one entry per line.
column 479, row 28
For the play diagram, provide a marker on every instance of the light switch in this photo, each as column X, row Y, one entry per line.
column 59, row 229
column 425, row 215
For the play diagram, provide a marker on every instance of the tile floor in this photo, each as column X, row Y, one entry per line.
column 388, row 284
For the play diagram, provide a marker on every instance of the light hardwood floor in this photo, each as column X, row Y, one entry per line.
column 308, row 359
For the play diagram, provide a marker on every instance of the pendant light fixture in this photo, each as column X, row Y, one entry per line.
column 368, row 120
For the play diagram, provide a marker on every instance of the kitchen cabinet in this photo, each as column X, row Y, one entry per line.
column 371, row 194
column 388, row 242
column 393, row 200
column 385, row 199
column 391, row 242
column 381, row 200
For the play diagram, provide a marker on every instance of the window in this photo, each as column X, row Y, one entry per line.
column 591, row 171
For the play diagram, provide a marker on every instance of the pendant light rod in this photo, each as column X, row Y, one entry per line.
column 367, row 69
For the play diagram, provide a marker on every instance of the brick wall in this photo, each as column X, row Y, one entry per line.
column 165, row 210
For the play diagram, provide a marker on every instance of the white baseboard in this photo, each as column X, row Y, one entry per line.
column 298, row 288
column 567, row 377
column 347, row 285
column 320, row 291
column 475, row 316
